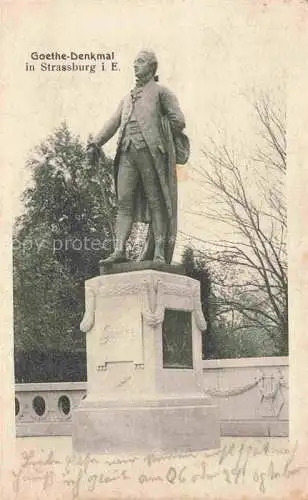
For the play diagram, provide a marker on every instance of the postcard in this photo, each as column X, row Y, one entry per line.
column 154, row 251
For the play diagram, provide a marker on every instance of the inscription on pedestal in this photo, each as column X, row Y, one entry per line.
column 177, row 339
column 119, row 334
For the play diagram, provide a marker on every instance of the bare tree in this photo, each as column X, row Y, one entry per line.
column 247, row 198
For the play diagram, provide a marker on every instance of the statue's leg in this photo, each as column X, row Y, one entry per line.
column 127, row 182
column 156, row 202
column 160, row 231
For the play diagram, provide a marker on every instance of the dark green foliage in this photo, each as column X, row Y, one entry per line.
column 51, row 365
column 66, row 228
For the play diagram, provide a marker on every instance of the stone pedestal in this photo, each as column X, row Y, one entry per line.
column 144, row 366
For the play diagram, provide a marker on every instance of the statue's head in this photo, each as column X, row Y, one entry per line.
column 145, row 64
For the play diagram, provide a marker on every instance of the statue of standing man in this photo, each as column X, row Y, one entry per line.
column 150, row 143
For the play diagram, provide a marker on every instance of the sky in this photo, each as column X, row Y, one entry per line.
column 213, row 58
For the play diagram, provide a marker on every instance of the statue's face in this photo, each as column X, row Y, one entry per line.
column 142, row 65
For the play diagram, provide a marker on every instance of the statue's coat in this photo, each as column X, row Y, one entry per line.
column 159, row 117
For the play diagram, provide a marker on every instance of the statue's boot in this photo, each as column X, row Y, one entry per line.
column 123, row 226
column 159, row 253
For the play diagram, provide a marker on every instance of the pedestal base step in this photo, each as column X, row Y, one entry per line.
column 171, row 426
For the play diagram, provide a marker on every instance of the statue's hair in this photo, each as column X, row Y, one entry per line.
column 152, row 59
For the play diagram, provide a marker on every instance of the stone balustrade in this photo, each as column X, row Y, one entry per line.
column 252, row 395
column 46, row 409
